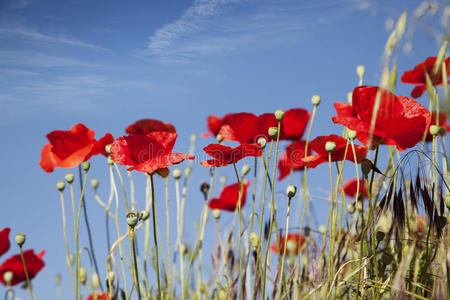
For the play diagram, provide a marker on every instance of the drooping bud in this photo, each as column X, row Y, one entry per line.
column 86, row 166
column 95, row 281
column 279, row 114
column 291, row 190
column 434, row 130
column 8, row 277
column 143, row 215
column 273, row 132
column 204, row 188
column 83, row 276
column 69, row 177
column 330, row 146
column 132, row 218
column 254, row 240
column 219, row 138
column 108, row 149
column 262, row 142
column 60, row 185
column 20, row 239
column 176, row 173
column 216, row 213
column 366, row 166
column 245, row 170
column 386, row 258
column 315, row 100
column 94, row 183
column 351, row 134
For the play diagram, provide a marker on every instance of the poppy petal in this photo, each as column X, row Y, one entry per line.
column 4, row 240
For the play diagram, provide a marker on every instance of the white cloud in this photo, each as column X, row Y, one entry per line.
column 38, row 59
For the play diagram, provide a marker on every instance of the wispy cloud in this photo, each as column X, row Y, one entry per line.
column 38, row 59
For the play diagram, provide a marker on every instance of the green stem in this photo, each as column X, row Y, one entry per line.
column 239, row 233
column 136, row 272
column 26, row 273
column 154, row 236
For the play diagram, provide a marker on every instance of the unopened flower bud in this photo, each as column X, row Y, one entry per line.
column 108, row 149
column 95, row 281
column 94, row 183
column 70, row 258
column 132, row 218
column 351, row 208
column 110, row 161
column 69, row 177
column 20, row 239
column 219, row 138
column 330, row 146
column 83, row 276
column 315, row 100
column 193, row 138
column 351, row 134
column 262, row 142
column 176, row 173
column 360, row 71
column 366, row 166
column 254, row 240
column 184, row 249
column 111, row 276
column 245, row 170
column 216, row 213
column 204, row 188
column 386, row 258
column 291, row 246
column 447, row 201
column 223, row 180
column 322, row 229
column 434, row 130
column 291, row 191
column 143, row 215
column 279, row 114
column 60, row 185
column 8, row 277
column 86, row 166
column 273, row 132
column 187, row 171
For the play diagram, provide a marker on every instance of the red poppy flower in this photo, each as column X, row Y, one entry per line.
column 68, row 149
column 4, row 240
column 292, row 158
column 14, row 264
column 442, row 123
column 144, row 126
column 293, row 124
column 214, row 123
column 351, row 186
column 223, row 155
column 293, row 239
column 229, row 197
column 98, row 296
column 400, row 121
column 246, row 127
column 417, row 75
column 318, row 145
column 147, row 153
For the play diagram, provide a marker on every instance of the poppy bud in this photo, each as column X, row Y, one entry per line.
column 384, row 223
column 132, row 218
column 351, row 134
column 95, row 281
column 193, row 138
column 94, row 183
column 330, row 146
column 245, row 170
column 279, row 114
column 434, row 130
column 223, row 180
column 20, row 239
column 86, row 166
column 204, row 188
column 216, row 213
column 69, row 177
column 386, row 258
column 315, row 100
column 143, row 215
column 366, row 166
column 379, row 235
column 254, row 240
column 70, row 257
column 111, row 276
column 322, row 229
column 273, row 132
column 187, row 171
column 184, row 249
column 219, row 138
column 349, row 97
column 306, row 231
column 291, row 247
column 8, row 277
column 447, row 201
column 351, row 208
column 60, row 185
column 83, row 276
column 290, row 191
column 442, row 131
column 108, row 149
column 176, row 173
column 110, row 161
column 262, row 142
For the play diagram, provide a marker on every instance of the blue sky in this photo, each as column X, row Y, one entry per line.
column 109, row 63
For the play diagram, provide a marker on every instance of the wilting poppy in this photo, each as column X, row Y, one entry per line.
column 144, row 126
column 147, row 153
column 294, row 240
column 14, row 264
column 214, row 123
column 68, row 149
column 400, row 121
column 293, row 124
column 295, row 152
column 318, row 145
column 417, row 75
column 442, row 123
column 229, row 197
column 98, row 296
column 4, row 240
column 351, row 186
column 223, row 155
column 246, row 127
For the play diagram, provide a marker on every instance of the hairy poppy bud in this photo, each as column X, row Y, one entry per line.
column 69, row 177
column 108, row 149
column 245, row 170
column 143, row 215
column 83, row 276
column 351, row 208
column 351, row 134
column 291, row 247
column 254, row 240
column 279, row 114
column 20, row 239
column 262, row 142
column 95, row 281
column 315, row 100
column 273, row 132
column 366, row 166
column 132, row 218
column 219, row 138
column 291, row 191
column 187, row 171
column 94, row 183
column 176, row 173
column 60, row 185
column 434, row 130
column 330, row 146
column 110, row 161
column 216, row 213
column 8, row 277
column 86, row 166
column 204, row 188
